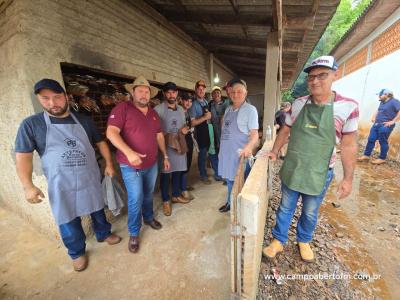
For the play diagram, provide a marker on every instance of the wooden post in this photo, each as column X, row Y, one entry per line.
column 271, row 81
column 211, row 70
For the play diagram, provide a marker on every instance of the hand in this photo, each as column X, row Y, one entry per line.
column 109, row 170
column 271, row 155
column 33, row 194
column 185, row 130
column 388, row 124
column 246, row 152
column 135, row 159
column 344, row 188
column 207, row 115
column 166, row 164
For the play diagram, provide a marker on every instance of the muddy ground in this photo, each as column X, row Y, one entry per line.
column 357, row 242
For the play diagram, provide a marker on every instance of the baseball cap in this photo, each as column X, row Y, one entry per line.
column 169, row 86
column 325, row 61
column 384, row 91
column 50, row 84
column 233, row 81
column 215, row 88
column 200, row 82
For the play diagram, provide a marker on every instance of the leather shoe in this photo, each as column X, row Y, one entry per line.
column 179, row 199
column 133, row 244
column 112, row 239
column 154, row 224
column 225, row 208
column 167, row 208
column 80, row 263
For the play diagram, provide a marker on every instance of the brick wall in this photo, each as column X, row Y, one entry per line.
column 387, row 42
column 357, row 61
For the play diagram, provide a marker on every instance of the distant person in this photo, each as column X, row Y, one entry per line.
column 384, row 120
column 201, row 116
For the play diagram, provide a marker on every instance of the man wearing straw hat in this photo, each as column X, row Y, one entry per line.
column 135, row 130
column 316, row 123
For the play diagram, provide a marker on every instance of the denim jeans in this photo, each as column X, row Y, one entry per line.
column 183, row 181
column 165, row 178
column 381, row 133
column 201, row 162
column 140, row 187
column 74, row 238
column 309, row 214
column 229, row 183
column 214, row 163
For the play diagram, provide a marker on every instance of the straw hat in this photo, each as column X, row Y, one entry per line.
column 141, row 81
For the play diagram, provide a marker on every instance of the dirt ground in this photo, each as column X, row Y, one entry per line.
column 189, row 258
column 357, row 237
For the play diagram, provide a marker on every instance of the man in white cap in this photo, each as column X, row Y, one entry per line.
column 135, row 130
column 384, row 120
column 316, row 123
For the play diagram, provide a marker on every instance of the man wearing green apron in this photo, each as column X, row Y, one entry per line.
column 316, row 123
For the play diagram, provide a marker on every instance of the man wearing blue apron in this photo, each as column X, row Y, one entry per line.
column 239, row 136
column 315, row 123
column 65, row 142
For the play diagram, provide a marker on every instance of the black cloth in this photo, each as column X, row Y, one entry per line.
column 202, row 133
column 32, row 132
column 189, row 142
column 280, row 117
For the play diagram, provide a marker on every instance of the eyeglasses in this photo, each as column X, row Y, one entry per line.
column 320, row 76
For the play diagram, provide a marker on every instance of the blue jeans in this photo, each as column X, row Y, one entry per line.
column 183, row 181
column 201, row 162
column 229, row 183
column 74, row 238
column 214, row 163
column 140, row 187
column 176, row 184
column 309, row 214
column 379, row 132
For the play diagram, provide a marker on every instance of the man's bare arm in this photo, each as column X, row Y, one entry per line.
column 24, row 166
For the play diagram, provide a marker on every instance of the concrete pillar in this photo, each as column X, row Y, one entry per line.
column 271, row 81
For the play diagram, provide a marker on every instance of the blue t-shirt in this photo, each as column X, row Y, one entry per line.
column 388, row 110
column 32, row 132
column 247, row 117
column 196, row 111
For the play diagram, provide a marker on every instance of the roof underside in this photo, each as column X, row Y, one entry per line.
column 236, row 30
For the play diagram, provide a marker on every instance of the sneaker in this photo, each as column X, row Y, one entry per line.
column 363, row 158
column 378, row 161
column 189, row 188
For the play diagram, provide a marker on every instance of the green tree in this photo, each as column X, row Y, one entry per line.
column 346, row 14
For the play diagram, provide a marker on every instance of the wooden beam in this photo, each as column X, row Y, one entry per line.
column 245, row 59
column 237, row 53
column 218, row 40
column 298, row 22
column 261, row 20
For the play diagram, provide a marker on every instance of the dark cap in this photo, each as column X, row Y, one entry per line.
column 48, row 84
column 185, row 97
column 234, row 81
column 200, row 82
column 169, row 86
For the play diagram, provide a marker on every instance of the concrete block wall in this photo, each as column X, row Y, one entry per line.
column 123, row 37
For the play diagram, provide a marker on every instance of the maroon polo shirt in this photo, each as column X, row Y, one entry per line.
column 139, row 131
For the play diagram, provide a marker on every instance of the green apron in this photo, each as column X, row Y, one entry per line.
column 311, row 144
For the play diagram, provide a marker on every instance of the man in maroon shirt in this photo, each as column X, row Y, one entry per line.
column 135, row 130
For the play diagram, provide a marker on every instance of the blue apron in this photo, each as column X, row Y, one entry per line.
column 73, row 175
column 232, row 139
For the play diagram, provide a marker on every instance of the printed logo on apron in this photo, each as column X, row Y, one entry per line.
column 226, row 133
